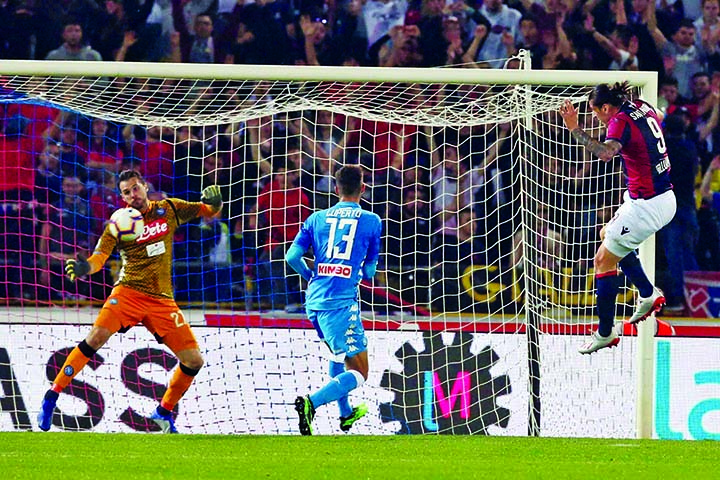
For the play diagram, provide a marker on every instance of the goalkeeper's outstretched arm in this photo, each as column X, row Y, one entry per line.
column 211, row 197
column 79, row 267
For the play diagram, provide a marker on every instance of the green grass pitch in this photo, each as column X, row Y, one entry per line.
column 97, row 456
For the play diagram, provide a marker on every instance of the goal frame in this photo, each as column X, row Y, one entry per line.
column 646, row 82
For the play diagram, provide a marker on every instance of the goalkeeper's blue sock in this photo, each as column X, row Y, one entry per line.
column 632, row 269
column 337, row 388
column 337, row 368
column 607, row 286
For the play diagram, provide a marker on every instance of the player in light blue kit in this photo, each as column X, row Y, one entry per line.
column 346, row 242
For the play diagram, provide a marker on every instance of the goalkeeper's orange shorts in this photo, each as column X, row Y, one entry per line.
column 126, row 307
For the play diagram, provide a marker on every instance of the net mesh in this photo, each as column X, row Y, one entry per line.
column 491, row 217
column 182, row 102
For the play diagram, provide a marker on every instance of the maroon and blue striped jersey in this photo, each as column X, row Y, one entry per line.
column 644, row 152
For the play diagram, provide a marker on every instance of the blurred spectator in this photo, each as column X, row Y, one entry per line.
column 244, row 245
column 17, row 245
column 73, row 47
column 259, row 33
column 504, row 31
column 216, row 171
column 73, row 152
column 18, row 172
column 560, row 53
column 707, row 26
column 452, row 33
column 409, row 230
column 643, row 23
column 546, row 243
column 531, row 41
column 317, row 42
column 669, row 97
column 699, row 101
column 453, row 254
column 104, row 200
column 111, row 24
column 48, row 175
column 104, row 152
column 444, row 182
column 432, row 44
column 546, row 13
column 380, row 16
column 66, row 233
column 22, row 30
column 680, row 236
column 622, row 46
column 708, row 248
column 282, row 207
column 155, row 154
column 460, row 248
column 349, row 32
column 199, row 46
column 401, row 48
column 682, row 57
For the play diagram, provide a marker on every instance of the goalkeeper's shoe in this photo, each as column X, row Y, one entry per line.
column 47, row 408
column 306, row 414
column 165, row 422
column 357, row 413
column 647, row 306
column 598, row 342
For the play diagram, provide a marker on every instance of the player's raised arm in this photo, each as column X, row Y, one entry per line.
column 603, row 150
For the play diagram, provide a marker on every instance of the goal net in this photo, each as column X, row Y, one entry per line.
column 491, row 217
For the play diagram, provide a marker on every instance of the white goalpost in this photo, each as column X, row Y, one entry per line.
column 491, row 215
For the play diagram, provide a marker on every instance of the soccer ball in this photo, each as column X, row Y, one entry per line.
column 126, row 224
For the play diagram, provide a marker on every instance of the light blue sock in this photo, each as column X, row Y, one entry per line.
column 335, row 389
column 336, row 368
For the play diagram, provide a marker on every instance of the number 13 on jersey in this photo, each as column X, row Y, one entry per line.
column 345, row 228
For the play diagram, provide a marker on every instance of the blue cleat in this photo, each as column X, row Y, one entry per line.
column 165, row 422
column 47, row 408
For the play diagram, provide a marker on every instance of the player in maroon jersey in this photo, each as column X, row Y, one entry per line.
column 633, row 131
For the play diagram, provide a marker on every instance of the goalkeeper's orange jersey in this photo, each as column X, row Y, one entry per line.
column 147, row 260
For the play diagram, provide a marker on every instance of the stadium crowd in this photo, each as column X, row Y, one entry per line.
column 60, row 168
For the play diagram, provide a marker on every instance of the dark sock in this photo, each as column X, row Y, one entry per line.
column 607, row 286
column 163, row 411
column 51, row 395
column 633, row 270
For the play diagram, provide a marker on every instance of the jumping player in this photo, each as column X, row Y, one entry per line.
column 633, row 131
column 346, row 243
column 143, row 293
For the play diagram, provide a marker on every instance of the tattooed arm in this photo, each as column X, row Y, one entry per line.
column 604, row 150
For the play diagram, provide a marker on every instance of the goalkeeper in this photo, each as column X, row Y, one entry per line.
column 142, row 294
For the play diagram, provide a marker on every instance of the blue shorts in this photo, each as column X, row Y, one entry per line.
column 341, row 329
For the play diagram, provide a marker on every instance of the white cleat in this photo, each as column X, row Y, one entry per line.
column 597, row 342
column 647, row 306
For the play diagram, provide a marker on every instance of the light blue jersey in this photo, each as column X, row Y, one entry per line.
column 346, row 240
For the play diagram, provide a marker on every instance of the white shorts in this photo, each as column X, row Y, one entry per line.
column 636, row 220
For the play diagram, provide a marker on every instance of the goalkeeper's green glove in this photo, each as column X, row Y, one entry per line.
column 211, row 195
column 76, row 268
